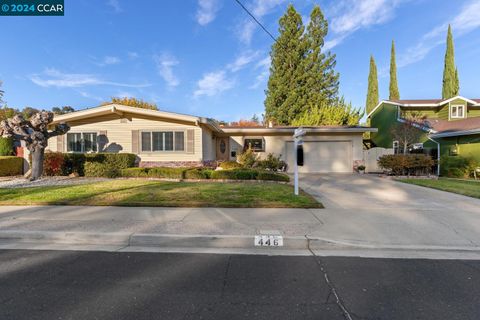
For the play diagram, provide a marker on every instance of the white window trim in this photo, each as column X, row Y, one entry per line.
column 82, row 141
column 456, row 106
column 256, row 138
column 163, row 151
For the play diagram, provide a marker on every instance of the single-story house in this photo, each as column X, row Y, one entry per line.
column 161, row 138
column 451, row 125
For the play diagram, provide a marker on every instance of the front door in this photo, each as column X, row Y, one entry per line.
column 223, row 148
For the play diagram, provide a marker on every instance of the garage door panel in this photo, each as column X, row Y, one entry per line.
column 323, row 156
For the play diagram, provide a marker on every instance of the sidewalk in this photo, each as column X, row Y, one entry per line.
column 334, row 231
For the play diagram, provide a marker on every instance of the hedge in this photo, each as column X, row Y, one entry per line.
column 98, row 169
column 53, row 163
column 406, row 164
column 203, row 174
column 11, row 166
column 75, row 162
column 6, row 146
column 457, row 166
column 230, row 165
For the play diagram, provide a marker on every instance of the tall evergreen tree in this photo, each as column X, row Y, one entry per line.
column 372, row 94
column 451, row 83
column 321, row 79
column 283, row 95
column 394, row 93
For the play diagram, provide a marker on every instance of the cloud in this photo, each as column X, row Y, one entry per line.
column 464, row 22
column 352, row 15
column 242, row 60
column 259, row 9
column 207, row 11
column 165, row 63
column 264, row 67
column 90, row 96
column 54, row 78
column 213, row 83
column 111, row 60
column 132, row 55
column 115, row 5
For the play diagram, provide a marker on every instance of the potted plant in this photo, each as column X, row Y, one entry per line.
column 361, row 169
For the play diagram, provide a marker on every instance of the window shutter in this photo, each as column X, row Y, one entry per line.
column 135, row 141
column 60, row 143
column 190, row 141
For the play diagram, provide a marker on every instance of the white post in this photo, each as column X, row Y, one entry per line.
column 295, row 146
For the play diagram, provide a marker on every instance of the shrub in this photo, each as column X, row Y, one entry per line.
column 406, row 164
column 196, row 173
column 53, row 163
column 230, row 165
column 134, row 172
column 235, row 174
column 75, row 162
column 6, row 146
column 457, row 166
column 11, row 166
column 165, row 172
column 97, row 169
column 248, row 158
column 268, row 175
column 271, row 162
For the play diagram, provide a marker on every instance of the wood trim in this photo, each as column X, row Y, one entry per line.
column 135, row 141
column 190, row 141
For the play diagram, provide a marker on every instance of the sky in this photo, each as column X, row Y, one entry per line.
column 208, row 57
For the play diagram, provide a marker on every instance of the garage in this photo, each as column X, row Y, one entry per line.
column 323, row 156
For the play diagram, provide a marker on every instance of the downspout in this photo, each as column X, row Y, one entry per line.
column 438, row 154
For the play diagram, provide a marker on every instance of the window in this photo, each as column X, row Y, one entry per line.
column 158, row 141
column 255, row 144
column 457, row 111
column 82, row 142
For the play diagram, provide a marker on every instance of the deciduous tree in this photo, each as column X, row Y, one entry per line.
column 133, row 102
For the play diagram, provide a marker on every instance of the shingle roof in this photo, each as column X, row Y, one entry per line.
column 443, row 126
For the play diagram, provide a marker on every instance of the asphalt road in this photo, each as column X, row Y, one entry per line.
column 101, row 285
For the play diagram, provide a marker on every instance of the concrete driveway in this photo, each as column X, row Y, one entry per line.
column 373, row 210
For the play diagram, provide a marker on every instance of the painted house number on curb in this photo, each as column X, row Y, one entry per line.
column 268, row 241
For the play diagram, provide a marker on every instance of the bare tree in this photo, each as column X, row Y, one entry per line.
column 35, row 133
column 409, row 130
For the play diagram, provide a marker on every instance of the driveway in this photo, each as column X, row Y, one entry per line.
column 370, row 209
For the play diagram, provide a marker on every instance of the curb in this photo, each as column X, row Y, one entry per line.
column 123, row 239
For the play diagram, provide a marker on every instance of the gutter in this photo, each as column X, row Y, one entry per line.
column 438, row 153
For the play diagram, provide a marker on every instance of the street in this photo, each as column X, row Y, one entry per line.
column 109, row 285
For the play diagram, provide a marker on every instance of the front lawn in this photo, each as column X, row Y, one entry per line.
column 469, row 188
column 149, row 193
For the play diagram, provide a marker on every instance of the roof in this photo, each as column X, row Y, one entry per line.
column 212, row 124
column 444, row 128
column 291, row 129
column 121, row 109
column 424, row 103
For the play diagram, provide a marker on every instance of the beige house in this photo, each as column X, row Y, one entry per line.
column 162, row 138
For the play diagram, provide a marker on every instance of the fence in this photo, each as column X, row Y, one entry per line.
column 371, row 157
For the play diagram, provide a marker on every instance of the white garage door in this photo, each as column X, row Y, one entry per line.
column 323, row 156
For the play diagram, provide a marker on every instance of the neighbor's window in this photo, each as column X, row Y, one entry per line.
column 255, row 144
column 82, row 142
column 157, row 141
column 457, row 111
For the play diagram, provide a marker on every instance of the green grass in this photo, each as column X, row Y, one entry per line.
column 469, row 188
column 162, row 194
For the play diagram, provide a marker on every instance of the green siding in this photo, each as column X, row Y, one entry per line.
column 429, row 113
column 384, row 118
column 473, row 112
column 443, row 111
column 467, row 146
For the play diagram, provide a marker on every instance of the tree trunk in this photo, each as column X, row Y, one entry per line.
column 37, row 163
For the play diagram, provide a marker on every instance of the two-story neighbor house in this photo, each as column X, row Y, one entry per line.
column 451, row 125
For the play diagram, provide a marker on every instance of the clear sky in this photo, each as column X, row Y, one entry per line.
column 207, row 57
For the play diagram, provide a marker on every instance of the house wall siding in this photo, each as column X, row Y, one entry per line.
column 119, row 135
column 277, row 144
column 384, row 119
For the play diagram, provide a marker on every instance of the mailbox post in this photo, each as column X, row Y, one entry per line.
column 297, row 141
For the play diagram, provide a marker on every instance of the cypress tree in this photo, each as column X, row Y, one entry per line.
column 372, row 94
column 321, row 79
column 451, row 83
column 284, row 91
column 394, row 93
